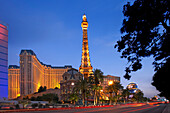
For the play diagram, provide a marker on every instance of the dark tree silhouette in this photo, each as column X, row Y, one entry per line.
column 161, row 80
column 138, row 96
column 82, row 85
column 97, row 78
column 41, row 89
column 146, row 32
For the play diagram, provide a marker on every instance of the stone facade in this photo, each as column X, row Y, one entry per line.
column 68, row 83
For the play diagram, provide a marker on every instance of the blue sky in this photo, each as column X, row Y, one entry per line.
column 51, row 28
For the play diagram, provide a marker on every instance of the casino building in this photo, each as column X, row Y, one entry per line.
column 3, row 60
column 109, row 80
column 31, row 74
column 14, row 81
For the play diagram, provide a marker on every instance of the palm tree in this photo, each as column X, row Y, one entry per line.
column 125, row 94
column 74, row 97
column 82, row 86
column 110, row 90
column 97, row 79
column 88, row 92
column 115, row 87
column 98, row 76
column 138, row 96
column 96, row 89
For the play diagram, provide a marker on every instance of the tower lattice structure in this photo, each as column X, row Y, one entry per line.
column 85, row 68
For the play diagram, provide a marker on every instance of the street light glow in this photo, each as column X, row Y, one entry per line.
column 72, row 83
column 110, row 82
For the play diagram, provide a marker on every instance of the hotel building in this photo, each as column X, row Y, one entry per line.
column 34, row 74
column 3, row 60
column 108, row 80
column 14, row 81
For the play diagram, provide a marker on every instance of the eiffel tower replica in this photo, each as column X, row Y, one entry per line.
column 85, row 67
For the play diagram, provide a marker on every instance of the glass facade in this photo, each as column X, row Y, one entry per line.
column 3, row 61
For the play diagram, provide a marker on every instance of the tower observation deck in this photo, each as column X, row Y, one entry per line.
column 85, row 67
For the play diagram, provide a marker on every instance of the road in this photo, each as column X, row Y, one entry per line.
column 158, row 108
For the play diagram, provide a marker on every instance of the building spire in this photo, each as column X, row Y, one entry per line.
column 85, row 67
column 84, row 18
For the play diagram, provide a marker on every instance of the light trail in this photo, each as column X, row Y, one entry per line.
column 138, row 109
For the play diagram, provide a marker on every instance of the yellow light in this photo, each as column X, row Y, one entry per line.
column 107, row 98
column 84, row 18
column 110, row 82
column 38, row 86
column 84, row 25
column 18, row 95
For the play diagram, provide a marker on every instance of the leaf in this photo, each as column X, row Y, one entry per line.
column 127, row 76
column 136, row 66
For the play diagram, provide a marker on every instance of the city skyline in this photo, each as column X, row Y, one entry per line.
column 64, row 35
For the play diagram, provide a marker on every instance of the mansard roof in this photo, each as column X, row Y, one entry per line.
column 13, row 67
column 31, row 52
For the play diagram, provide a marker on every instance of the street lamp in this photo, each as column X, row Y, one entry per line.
column 110, row 83
column 72, row 83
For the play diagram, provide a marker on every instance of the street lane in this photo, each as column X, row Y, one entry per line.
column 158, row 108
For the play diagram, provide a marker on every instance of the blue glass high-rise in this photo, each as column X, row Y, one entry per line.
column 3, row 60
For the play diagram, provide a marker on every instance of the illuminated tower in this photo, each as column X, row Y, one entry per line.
column 85, row 68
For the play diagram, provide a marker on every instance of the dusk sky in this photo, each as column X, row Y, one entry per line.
column 52, row 29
